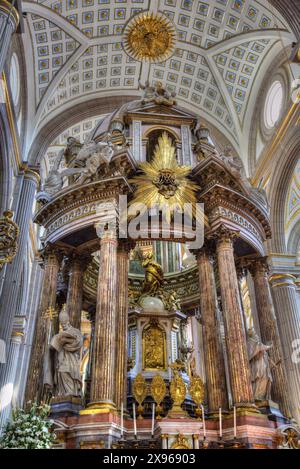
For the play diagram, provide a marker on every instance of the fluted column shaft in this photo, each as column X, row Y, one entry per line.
column 269, row 333
column 121, row 326
column 12, row 280
column 238, row 363
column 103, row 362
column 288, row 314
column 213, row 355
column 75, row 290
column 9, row 20
column 43, row 328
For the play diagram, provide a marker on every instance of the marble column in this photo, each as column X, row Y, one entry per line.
column 121, row 326
column 13, row 272
column 75, row 290
column 269, row 333
column 238, row 362
column 103, row 361
column 44, row 327
column 213, row 355
column 9, row 20
column 288, row 316
column 7, row 391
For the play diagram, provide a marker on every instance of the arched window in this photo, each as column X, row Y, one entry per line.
column 273, row 104
column 14, row 79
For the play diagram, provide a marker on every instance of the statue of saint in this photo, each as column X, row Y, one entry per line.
column 154, row 275
column 62, row 370
column 260, row 368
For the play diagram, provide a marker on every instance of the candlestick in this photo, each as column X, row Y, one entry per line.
column 234, row 421
column 220, row 422
column 203, row 422
column 134, row 420
column 122, row 417
column 153, row 418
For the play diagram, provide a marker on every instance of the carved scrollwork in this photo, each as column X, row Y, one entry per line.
column 9, row 232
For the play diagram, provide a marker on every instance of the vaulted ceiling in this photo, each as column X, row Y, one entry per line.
column 223, row 50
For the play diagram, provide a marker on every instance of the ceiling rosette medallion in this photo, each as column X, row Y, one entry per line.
column 150, row 37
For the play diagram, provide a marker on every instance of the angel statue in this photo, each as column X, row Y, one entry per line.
column 62, row 362
column 149, row 92
column 93, row 154
column 54, row 181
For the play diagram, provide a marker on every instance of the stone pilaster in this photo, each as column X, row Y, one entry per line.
column 75, row 290
column 13, row 272
column 9, row 20
column 238, row 362
column 103, row 360
column 288, row 315
column 269, row 333
column 43, row 328
column 7, row 392
column 121, row 326
column 213, row 355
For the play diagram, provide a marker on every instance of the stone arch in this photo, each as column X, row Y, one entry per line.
column 286, row 161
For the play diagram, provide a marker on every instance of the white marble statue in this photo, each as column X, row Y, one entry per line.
column 260, row 368
column 93, row 154
column 62, row 363
column 55, row 179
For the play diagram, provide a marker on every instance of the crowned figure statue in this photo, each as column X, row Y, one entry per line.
column 62, row 364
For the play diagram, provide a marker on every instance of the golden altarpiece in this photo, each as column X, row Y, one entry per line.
column 164, row 360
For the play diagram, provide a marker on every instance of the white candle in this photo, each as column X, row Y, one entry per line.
column 203, row 422
column 220, row 421
column 153, row 419
column 122, row 417
column 134, row 419
column 234, row 421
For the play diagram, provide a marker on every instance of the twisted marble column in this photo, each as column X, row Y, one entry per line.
column 121, row 325
column 213, row 355
column 288, row 315
column 75, row 290
column 238, row 363
column 9, row 20
column 269, row 333
column 43, row 328
column 103, row 360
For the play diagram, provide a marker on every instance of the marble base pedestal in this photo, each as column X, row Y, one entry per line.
column 65, row 406
column 96, row 430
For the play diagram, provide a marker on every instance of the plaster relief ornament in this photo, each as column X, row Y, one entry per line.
column 260, row 368
column 149, row 37
column 9, row 232
column 62, row 362
column 164, row 184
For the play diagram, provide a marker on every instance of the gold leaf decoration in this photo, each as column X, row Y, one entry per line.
column 158, row 392
column 140, row 391
column 164, row 183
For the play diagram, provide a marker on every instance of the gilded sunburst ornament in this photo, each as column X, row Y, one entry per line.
column 150, row 37
column 164, row 183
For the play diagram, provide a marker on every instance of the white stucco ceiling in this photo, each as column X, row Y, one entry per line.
column 223, row 50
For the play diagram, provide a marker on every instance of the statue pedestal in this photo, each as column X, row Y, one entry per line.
column 65, row 406
column 271, row 409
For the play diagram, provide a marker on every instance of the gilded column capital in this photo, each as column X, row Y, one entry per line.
column 282, row 280
column 108, row 218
